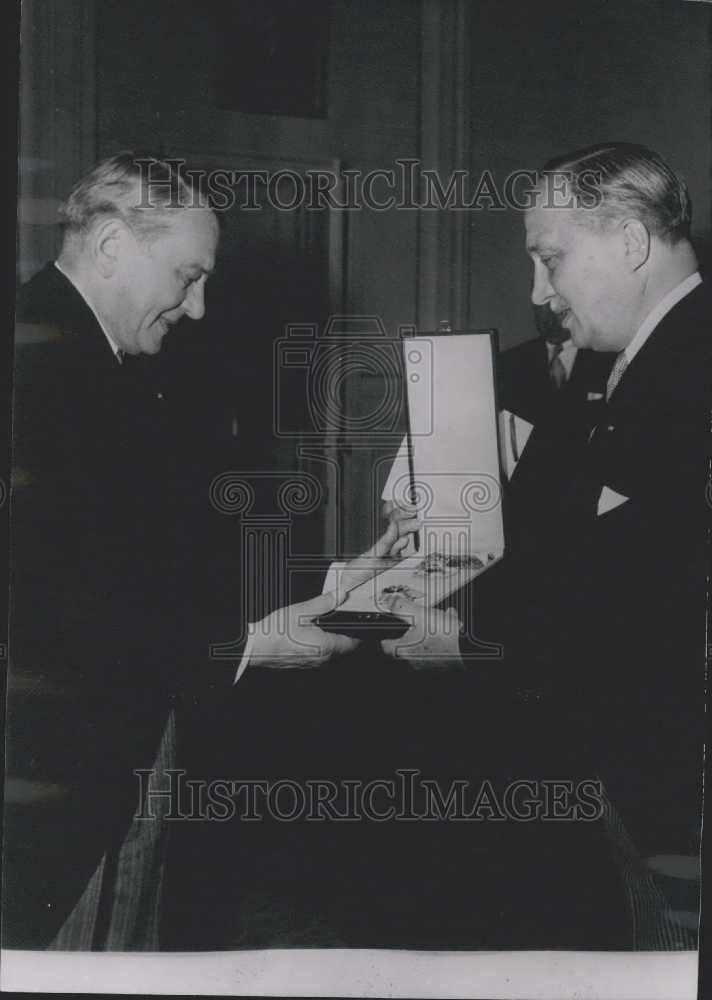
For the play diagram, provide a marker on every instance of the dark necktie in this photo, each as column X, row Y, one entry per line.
column 557, row 371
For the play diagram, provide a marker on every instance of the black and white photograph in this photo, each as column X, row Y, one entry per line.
column 359, row 499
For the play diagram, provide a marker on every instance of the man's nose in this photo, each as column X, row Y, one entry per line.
column 194, row 302
column 542, row 292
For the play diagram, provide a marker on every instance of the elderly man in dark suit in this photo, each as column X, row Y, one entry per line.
column 606, row 611
column 112, row 607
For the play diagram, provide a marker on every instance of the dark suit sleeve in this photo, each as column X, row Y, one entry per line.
column 111, row 617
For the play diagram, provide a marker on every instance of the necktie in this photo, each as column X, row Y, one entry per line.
column 557, row 371
column 620, row 365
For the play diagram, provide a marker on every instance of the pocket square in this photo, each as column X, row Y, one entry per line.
column 593, row 397
column 609, row 500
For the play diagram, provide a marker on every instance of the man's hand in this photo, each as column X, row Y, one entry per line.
column 403, row 520
column 287, row 638
column 432, row 641
column 381, row 555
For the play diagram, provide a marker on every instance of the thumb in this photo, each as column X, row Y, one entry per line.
column 384, row 543
column 400, row 545
column 320, row 605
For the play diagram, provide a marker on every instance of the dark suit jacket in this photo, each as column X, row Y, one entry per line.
column 110, row 615
column 526, row 389
column 606, row 613
column 562, row 419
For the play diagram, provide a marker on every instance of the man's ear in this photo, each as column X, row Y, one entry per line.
column 637, row 243
column 106, row 245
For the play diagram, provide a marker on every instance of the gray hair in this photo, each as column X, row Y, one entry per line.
column 143, row 191
column 613, row 180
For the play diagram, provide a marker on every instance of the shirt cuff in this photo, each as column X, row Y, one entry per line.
column 247, row 652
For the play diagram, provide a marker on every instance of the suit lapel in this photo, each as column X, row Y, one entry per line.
column 651, row 373
column 668, row 377
column 58, row 307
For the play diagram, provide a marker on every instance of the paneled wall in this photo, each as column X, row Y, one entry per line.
column 57, row 118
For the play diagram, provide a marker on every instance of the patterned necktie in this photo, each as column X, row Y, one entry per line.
column 557, row 371
column 619, row 367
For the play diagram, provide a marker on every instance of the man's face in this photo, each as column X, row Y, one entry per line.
column 161, row 281
column 581, row 274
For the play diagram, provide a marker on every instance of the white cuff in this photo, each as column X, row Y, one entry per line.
column 246, row 654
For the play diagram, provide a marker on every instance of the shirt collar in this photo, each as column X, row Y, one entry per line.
column 112, row 343
column 661, row 309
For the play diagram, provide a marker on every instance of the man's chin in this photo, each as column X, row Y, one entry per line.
column 149, row 342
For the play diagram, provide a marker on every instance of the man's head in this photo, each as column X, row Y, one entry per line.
column 609, row 237
column 139, row 242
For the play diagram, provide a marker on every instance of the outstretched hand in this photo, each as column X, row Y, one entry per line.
column 288, row 637
column 431, row 642
column 402, row 523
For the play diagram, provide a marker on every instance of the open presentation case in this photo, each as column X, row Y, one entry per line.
column 449, row 469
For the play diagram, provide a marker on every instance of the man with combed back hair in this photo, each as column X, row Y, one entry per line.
column 605, row 612
column 628, row 573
